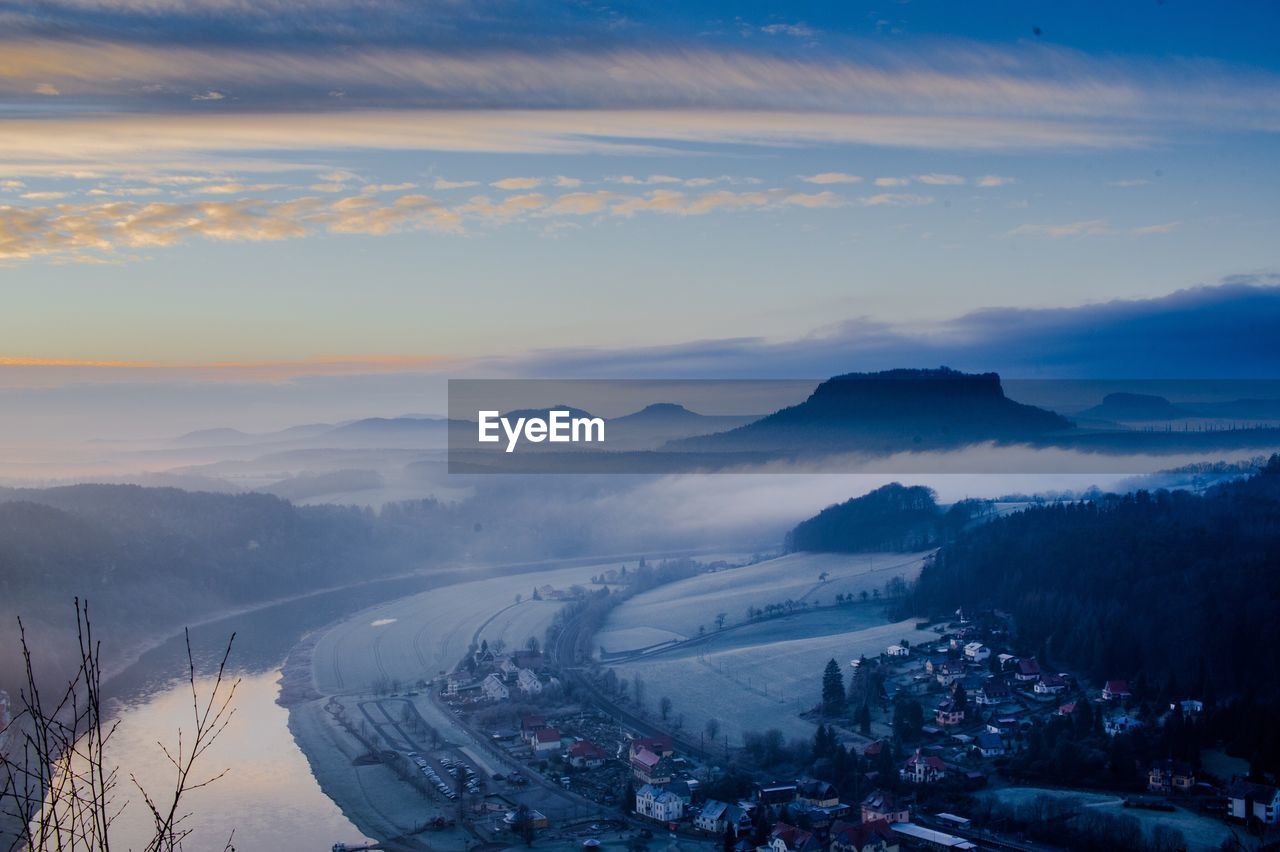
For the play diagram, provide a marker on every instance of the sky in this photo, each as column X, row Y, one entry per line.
column 354, row 198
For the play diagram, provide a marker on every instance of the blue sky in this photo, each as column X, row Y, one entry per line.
column 280, row 188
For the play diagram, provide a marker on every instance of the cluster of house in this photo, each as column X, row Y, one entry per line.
column 496, row 677
column 882, row 823
column 547, row 741
column 1003, row 689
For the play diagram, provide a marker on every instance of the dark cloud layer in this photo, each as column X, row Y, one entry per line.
column 1225, row 331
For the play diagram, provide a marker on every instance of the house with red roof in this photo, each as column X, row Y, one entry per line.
column 788, row 838
column 874, row 836
column 1116, row 690
column 545, row 741
column 585, row 754
column 663, row 746
column 649, row 767
column 923, row 768
column 1028, row 670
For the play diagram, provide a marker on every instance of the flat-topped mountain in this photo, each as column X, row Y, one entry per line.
column 894, row 409
column 1124, row 407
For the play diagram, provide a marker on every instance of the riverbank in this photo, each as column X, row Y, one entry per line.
column 412, row 639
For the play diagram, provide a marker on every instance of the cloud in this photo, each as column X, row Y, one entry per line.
column 515, row 183
column 566, row 182
column 126, row 191
column 831, row 177
column 793, row 30
column 817, row 199
column 1088, row 227
column 508, row 208
column 892, row 181
column 43, row 196
column 133, row 143
column 443, row 183
column 676, row 203
column 1131, row 182
column 94, row 230
column 47, row 89
column 632, row 180
column 995, row 180
column 102, row 229
column 235, row 188
column 1089, row 101
column 941, row 180
column 372, row 188
column 1211, row 332
column 1162, row 228
column 697, row 182
column 895, row 199
column 210, row 95
column 581, row 203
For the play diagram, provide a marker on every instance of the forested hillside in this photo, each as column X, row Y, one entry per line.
column 894, row 517
column 1172, row 589
column 151, row 560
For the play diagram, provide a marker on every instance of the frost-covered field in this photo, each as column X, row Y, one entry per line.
column 1201, row 832
column 678, row 610
column 420, row 636
column 763, row 675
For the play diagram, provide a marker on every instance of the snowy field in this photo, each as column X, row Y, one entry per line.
column 423, row 635
column 763, row 675
column 677, row 610
column 1201, row 832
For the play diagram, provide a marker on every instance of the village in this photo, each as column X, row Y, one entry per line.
column 944, row 719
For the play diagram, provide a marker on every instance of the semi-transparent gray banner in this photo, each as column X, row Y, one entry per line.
column 902, row 421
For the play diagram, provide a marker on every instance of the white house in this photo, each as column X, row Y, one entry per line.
column 898, row 651
column 923, row 769
column 713, row 817
column 657, row 804
column 545, row 741
column 977, row 652
column 528, row 683
column 1050, row 684
column 494, row 689
column 1249, row 801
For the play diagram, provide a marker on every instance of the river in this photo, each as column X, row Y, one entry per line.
column 269, row 795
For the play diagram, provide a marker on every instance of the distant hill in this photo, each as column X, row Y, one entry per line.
column 1240, row 409
column 654, row 425
column 205, row 437
column 1141, row 407
column 1136, row 407
column 894, row 518
column 399, row 426
column 545, row 413
column 890, row 411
